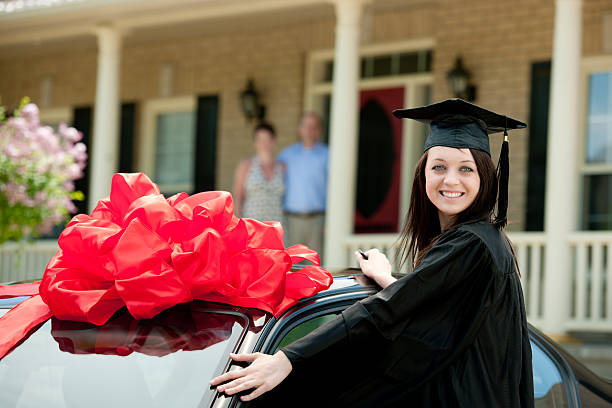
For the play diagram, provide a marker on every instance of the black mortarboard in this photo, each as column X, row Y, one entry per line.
column 460, row 124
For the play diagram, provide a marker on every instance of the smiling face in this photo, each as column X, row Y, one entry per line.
column 451, row 181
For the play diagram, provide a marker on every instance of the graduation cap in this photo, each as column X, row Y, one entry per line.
column 460, row 124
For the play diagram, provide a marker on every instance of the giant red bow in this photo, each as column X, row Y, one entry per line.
column 143, row 251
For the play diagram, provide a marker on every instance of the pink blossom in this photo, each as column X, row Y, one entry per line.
column 18, row 123
column 47, row 140
column 60, row 157
column 79, row 151
column 12, row 151
column 15, row 193
column 40, row 197
column 69, row 133
column 74, row 171
column 30, row 113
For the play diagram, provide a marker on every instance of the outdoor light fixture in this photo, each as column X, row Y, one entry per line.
column 459, row 81
column 250, row 102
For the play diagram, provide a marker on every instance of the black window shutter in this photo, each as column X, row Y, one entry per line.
column 82, row 120
column 206, row 142
column 538, row 133
column 126, row 132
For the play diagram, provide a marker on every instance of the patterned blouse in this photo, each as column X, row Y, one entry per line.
column 263, row 198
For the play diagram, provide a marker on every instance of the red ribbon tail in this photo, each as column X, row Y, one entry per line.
column 17, row 323
column 301, row 252
column 23, row 289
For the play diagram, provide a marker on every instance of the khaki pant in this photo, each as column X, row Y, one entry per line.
column 306, row 230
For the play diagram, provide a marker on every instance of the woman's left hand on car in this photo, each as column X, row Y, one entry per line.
column 265, row 372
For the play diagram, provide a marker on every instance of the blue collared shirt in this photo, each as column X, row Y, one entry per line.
column 306, row 177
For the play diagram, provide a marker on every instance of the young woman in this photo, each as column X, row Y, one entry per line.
column 259, row 181
column 453, row 332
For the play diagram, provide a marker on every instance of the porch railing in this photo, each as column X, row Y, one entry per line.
column 591, row 281
column 22, row 261
column 591, row 274
column 591, row 271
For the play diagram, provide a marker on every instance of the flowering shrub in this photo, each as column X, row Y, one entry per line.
column 38, row 167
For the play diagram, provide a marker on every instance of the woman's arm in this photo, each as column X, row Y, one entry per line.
column 238, row 190
column 451, row 264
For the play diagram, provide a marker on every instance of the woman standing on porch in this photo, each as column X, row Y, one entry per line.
column 452, row 333
column 259, row 181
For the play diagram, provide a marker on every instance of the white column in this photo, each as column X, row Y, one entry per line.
column 104, row 156
column 343, row 133
column 561, row 212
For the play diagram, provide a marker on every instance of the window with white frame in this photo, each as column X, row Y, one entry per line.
column 167, row 150
column 597, row 169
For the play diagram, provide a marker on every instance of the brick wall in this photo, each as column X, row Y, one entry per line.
column 498, row 43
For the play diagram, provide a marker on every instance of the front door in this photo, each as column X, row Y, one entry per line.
column 379, row 161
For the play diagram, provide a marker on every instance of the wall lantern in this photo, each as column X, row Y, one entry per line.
column 459, row 81
column 250, row 102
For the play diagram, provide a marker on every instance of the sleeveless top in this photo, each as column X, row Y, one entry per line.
column 263, row 198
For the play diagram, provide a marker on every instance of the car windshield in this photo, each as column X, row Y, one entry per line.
column 161, row 362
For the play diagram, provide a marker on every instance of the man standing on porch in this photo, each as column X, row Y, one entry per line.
column 306, row 185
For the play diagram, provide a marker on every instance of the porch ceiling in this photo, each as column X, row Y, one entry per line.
column 144, row 20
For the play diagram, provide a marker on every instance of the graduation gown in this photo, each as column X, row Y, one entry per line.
column 453, row 334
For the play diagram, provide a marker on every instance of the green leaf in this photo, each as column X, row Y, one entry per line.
column 77, row 195
column 24, row 101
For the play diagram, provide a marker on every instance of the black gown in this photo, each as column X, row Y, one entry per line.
column 453, row 334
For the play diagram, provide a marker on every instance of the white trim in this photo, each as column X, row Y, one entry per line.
column 370, row 83
column 146, row 142
column 385, row 82
column 596, row 168
column 418, row 44
column 56, row 115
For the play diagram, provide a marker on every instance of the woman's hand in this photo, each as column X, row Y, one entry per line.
column 376, row 267
column 265, row 372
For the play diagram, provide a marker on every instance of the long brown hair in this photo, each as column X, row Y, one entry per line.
column 422, row 228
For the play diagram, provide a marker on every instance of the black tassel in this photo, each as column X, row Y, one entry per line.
column 503, row 173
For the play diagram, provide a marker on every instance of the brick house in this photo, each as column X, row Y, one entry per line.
column 150, row 83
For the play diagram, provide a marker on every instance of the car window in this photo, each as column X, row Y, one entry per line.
column 548, row 386
column 166, row 361
column 303, row 329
